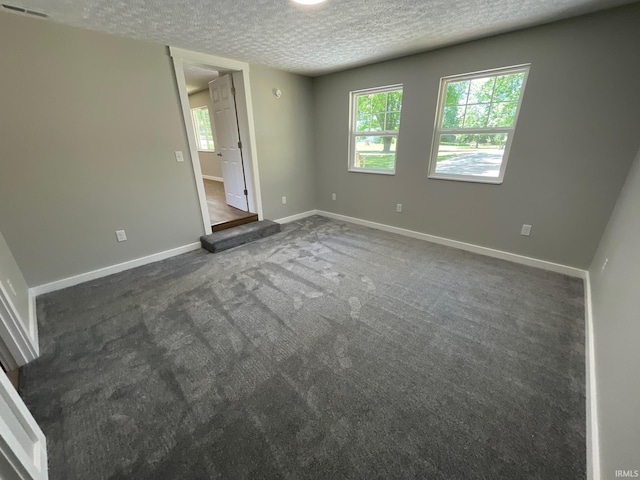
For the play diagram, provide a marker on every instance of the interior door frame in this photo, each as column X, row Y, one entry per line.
column 244, row 106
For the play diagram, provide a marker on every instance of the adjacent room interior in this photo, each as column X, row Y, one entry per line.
column 445, row 286
column 224, row 212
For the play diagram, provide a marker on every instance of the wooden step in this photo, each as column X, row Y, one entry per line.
column 233, row 223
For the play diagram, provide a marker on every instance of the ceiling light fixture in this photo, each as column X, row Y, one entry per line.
column 309, row 2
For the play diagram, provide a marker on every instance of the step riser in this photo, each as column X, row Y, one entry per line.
column 226, row 239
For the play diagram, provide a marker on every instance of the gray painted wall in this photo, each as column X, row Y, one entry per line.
column 10, row 273
column 210, row 163
column 92, row 151
column 616, row 321
column 89, row 123
column 284, row 139
column 576, row 138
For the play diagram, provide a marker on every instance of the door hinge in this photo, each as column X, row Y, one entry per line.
column 246, row 192
column 233, row 91
column 239, row 144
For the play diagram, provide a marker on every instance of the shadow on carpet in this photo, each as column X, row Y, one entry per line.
column 327, row 351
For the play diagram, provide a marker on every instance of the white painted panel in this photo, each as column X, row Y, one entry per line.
column 19, row 336
column 23, row 450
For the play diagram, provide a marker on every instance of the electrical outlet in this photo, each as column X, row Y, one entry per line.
column 526, row 230
column 399, row 207
column 604, row 265
column 179, row 156
column 13, row 290
column 121, row 235
column 333, row 196
column 284, row 200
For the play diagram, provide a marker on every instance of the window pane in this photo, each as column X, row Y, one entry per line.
column 377, row 122
column 378, row 153
column 379, row 102
column 364, row 104
column 378, row 111
column 394, row 101
column 393, row 122
column 481, row 90
column 477, row 116
column 202, row 127
column 453, row 117
column 457, row 93
column 503, row 114
column 363, row 122
column 508, row 87
column 478, row 154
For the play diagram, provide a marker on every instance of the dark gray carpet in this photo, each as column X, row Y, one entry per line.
column 327, row 351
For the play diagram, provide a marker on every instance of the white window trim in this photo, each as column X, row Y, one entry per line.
column 437, row 131
column 195, row 128
column 353, row 110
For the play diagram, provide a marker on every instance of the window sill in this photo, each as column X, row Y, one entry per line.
column 375, row 172
column 462, row 178
column 206, row 151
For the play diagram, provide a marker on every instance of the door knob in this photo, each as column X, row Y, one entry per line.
column 219, row 154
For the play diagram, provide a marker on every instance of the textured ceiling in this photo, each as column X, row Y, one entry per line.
column 310, row 40
column 198, row 77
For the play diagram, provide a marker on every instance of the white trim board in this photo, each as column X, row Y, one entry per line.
column 19, row 335
column 106, row 271
column 193, row 149
column 33, row 320
column 138, row 262
column 593, row 444
column 593, row 439
column 591, row 393
column 23, row 447
column 470, row 247
column 215, row 179
column 297, row 216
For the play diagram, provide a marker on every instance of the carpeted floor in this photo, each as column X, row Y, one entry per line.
column 328, row 351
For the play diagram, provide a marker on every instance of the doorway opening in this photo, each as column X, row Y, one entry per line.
column 216, row 104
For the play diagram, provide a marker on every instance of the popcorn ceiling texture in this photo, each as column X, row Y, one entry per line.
column 198, row 78
column 310, row 40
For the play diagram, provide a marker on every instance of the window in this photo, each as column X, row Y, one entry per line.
column 375, row 122
column 476, row 119
column 202, row 128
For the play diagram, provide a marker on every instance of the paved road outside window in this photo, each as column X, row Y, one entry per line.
column 485, row 163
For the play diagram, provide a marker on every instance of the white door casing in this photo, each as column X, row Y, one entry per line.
column 244, row 104
column 19, row 335
column 23, row 448
column 225, row 122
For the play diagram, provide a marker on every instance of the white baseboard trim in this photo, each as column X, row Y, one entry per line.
column 297, row 216
column 490, row 252
column 106, row 271
column 593, row 439
column 215, row 179
column 593, row 444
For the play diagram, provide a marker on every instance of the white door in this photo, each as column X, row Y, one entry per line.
column 23, row 448
column 228, row 147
